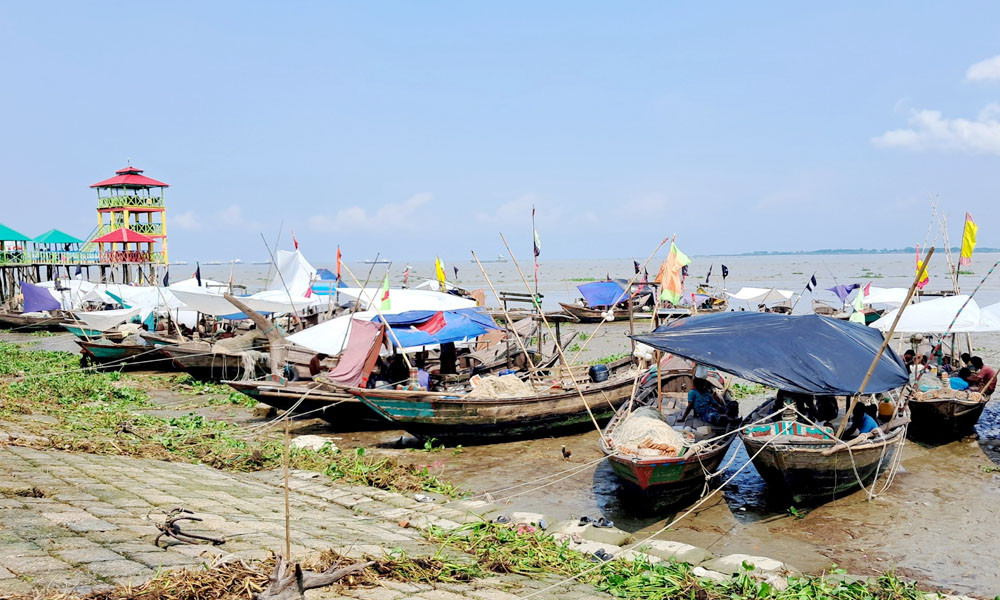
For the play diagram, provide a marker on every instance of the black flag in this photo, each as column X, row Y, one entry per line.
column 79, row 272
column 456, row 271
column 166, row 279
column 684, row 271
column 709, row 276
column 812, row 283
column 197, row 273
column 725, row 271
column 636, row 263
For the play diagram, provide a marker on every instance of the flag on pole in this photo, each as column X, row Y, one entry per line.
column 725, row 271
column 295, row 242
column 671, row 286
column 197, row 273
column 636, row 263
column 406, row 275
column 536, row 244
column 78, row 274
column 868, row 289
column 439, row 267
column 338, row 264
column 709, row 276
column 166, row 279
column 454, row 268
column 924, row 279
column 384, row 294
column 858, row 316
column 812, row 283
column 968, row 241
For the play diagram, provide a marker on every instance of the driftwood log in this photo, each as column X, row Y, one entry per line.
column 276, row 341
column 290, row 582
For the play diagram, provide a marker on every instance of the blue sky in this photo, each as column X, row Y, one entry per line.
column 426, row 128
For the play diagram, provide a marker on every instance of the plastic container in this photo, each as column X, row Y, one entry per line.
column 885, row 409
column 598, row 373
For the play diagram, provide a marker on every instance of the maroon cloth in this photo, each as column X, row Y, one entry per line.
column 358, row 359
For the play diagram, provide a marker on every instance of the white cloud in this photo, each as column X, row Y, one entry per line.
column 929, row 130
column 406, row 215
column 518, row 211
column 985, row 70
column 187, row 221
column 232, row 217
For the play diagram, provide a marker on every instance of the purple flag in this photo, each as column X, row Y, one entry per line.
column 843, row 291
column 37, row 298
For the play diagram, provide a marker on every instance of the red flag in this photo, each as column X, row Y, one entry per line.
column 868, row 289
column 338, row 263
column 295, row 241
column 433, row 324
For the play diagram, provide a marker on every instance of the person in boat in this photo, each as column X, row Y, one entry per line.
column 861, row 421
column 908, row 359
column 946, row 366
column 827, row 409
column 398, row 373
column 708, row 407
column 984, row 380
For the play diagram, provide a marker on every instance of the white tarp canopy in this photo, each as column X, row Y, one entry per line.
column 269, row 301
column 295, row 275
column 761, row 295
column 402, row 300
column 104, row 320
column 934, row 316
column 329, row 337
column 877, row 295
column 77, row 293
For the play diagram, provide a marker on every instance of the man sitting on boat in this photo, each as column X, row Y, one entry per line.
column 984, row 380
column 707, row 406
column 861, row 422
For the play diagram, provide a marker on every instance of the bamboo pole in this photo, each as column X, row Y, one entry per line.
column 559, row 350
column 288, row 512
column 506, row 315
column 628, row 287
column 291, row 302
column 388, row 327
column 885, row 342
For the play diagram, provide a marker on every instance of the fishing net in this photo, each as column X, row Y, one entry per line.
column 506, row 386
column 645, row 433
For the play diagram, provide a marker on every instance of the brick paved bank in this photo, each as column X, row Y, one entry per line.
column 93, row 525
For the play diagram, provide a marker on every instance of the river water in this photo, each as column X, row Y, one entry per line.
column 937, row 523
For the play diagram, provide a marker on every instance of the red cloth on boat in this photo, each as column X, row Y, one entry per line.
column 358, row 359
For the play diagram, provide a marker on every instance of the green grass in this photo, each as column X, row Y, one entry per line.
column 610, row 358
column 745, row 390
column 582, row 279
column 529, row 552
column 100, row 413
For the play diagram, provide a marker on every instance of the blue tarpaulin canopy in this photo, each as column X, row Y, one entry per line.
column 429, row 327
column 37, row 298
column 808, row 354
column 325, row 274
column 603, row 293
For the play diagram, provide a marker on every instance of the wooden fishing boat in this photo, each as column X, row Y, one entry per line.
column 200, row 360
column 31, row 321
column 665, row 482
column 457, row 416
column 341, row 410
column 585, row 314
column 803, row 464
column 88, row 333
column 160, row 339
column 939, row 418
column 111, row 355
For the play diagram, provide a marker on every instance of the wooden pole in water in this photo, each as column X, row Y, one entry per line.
column 885, row 342
column 506, row 315
column 562, row 356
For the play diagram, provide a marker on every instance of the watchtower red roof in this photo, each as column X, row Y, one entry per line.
column 130, row 177
column 123, row 235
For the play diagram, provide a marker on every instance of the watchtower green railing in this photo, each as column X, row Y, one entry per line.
column 130, row 201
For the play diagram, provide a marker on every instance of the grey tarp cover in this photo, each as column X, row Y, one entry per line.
column 798, row 353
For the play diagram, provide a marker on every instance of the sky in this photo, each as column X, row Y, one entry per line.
column 417, row 129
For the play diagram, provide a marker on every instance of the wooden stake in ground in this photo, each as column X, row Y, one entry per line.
column 885, row 342
column 288, row 509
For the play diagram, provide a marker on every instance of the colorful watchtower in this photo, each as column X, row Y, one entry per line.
column 134, row 204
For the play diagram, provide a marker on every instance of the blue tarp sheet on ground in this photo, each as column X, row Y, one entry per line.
column 804, row 353
column 37, row 298
column 602, row 293
column 458, row 325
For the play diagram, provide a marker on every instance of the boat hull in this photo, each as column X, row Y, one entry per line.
column 343, row 411
column 123, row 355
column 593, row 315
column 21, row 322
column 475, row 420
column 804, row 475
column 944, row 420
column 667, row 483
column 203, row 364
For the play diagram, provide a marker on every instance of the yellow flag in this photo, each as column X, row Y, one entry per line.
column 439, row 266
column 968, row 241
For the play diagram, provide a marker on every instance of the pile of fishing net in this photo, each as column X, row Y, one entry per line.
column 240, row 343
column 948, row 393
column 505, row 386
column 645, row 433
